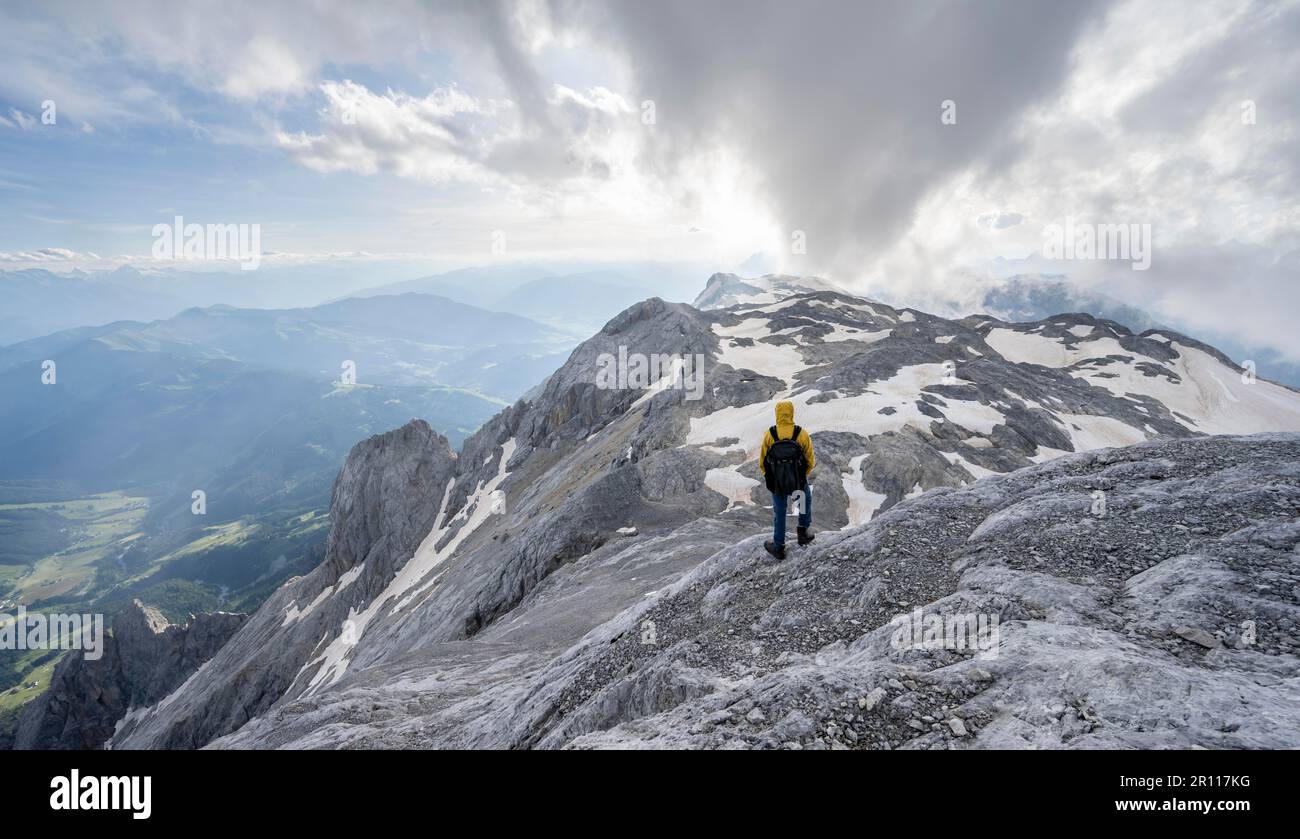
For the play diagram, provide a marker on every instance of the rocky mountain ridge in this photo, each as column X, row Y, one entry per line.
column 456, row 581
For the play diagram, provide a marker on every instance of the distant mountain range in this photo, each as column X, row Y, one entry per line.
column 38, row 302
column 393, row 340
column 577, row 301
column 577, row 297
column 255, row 408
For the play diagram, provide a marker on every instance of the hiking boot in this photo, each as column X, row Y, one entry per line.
column 804, row 536
column 774, row 549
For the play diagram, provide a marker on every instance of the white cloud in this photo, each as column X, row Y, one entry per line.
column 597, row 99
column 22, row 120
column 47, row 255
column 422, row 138
column 1147, row 129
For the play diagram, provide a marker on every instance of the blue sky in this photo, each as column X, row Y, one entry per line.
column 143, row 133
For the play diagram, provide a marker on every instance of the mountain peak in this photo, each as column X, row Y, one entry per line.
column 725, row 290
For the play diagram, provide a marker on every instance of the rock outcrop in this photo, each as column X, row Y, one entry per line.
column 144, row 659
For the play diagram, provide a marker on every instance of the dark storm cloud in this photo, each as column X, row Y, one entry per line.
column 838, row 105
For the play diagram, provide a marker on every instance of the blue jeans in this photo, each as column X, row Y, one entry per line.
column 778, row 514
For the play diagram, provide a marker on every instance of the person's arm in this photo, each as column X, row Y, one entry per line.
column 762, row 453
column 805, row 441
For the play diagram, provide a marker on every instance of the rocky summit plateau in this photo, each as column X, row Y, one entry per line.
column 1117, row 512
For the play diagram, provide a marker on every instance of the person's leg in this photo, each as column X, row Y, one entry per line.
column 778, row 518
column 805, row 515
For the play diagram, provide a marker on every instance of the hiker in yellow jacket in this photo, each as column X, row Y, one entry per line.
column 786, row 459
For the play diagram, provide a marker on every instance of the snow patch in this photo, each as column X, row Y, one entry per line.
column 841, row 332
column 858, row 414
column 1031, row 348
column 863, row 503
column 729, row 483
column 781, row 361
column 293, row 615
column 1210, row 393
column 334, row 660
column 975, row 469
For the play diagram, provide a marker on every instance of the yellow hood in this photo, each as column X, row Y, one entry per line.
column 785, row 415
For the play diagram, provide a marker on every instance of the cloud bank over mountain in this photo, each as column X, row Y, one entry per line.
column 918, row 149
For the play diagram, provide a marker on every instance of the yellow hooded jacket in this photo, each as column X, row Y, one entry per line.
column 785, row 428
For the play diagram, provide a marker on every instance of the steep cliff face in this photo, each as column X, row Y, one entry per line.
column 453, row 583
column 385, row 501
column 144, row 659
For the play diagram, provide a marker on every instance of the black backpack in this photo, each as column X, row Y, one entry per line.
column 785, row 466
